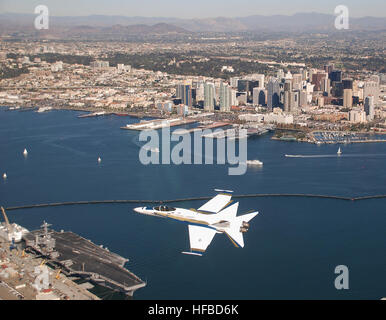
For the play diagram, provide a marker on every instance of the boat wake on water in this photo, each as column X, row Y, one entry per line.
column 334, row 155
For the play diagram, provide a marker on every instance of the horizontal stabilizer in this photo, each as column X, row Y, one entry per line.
column 247, row 217
column 234, row 233
column 235, row 236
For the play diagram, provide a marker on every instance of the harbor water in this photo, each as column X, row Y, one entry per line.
column 291, row 249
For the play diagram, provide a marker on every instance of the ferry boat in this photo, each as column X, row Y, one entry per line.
column 254, row 162
column 43, row 109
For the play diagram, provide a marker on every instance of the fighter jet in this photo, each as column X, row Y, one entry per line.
column 218, row 215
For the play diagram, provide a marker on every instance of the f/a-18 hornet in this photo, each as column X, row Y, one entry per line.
column 218, row 215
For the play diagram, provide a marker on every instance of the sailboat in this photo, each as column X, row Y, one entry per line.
column 339, row 152
column 25, row 152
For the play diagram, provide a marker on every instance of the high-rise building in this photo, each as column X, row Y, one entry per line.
column 233, row 97
column 319, row 79
column 209, row 96
column 200, row 92
column 335, row 75
column 259, row 77
column 184, row 92
column 337, row 89
column 273, row 96
column 287, row 95
column 297, row 81
column 258, row 96
column 243, row 85
column 187, row 97
column 329, row 68
column 294, row 101
column 369, row 108
column 234, row 82
column 225, row 97
column 303, row 99
column 347, row 83
column 347, row 98
column 305, row 74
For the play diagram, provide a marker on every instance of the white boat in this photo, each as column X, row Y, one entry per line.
column 25, row 152
column 292, row 156
column 99, row 160
column 4, row 176
column 339, row 151
column 43, row 109
column 254, row 162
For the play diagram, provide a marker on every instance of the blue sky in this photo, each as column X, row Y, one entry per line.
column 194, row 8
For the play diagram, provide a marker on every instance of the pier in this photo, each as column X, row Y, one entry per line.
column 158, row 124
column 203, row 127
column 94, row 114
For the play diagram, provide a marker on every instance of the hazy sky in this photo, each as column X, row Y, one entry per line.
column 194, row 8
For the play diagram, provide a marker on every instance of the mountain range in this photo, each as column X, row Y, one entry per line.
column 299, row 22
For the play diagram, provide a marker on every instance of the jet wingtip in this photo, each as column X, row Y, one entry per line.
column 192, row 253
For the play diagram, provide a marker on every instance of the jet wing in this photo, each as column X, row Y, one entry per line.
column 217, row 203
column 200, row 238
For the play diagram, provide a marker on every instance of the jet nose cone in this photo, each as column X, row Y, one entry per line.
column 138, row 210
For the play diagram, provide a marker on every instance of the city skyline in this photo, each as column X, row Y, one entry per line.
column 198, row 9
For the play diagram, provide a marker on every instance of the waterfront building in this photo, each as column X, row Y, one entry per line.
column 357, row 116
column 278, row 118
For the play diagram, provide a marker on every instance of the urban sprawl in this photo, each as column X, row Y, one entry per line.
column 303, row 103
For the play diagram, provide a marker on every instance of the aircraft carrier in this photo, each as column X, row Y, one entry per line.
column 46, row 265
